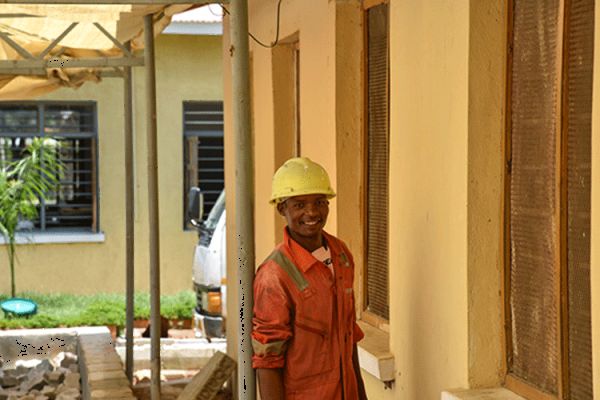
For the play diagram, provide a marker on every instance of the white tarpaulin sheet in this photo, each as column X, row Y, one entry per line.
column 34, row 27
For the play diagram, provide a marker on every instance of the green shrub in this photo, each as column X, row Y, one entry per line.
column 178, row 306
column 66, row 310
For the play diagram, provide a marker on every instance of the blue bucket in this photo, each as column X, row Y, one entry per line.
column 18, row 307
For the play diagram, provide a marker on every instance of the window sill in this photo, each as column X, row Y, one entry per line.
column 480, row 394
column 374, row 353
column 57, row 237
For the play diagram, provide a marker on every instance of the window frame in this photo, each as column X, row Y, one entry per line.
column 513, row 382
column 186, row 134
column 364, row 314
column 41, row 108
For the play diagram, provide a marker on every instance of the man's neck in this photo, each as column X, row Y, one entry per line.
column 309, row 243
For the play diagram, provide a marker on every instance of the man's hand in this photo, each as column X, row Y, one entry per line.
column 270, row 383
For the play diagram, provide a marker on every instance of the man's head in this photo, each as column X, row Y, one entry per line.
column 299, row 176
column 301, row 191
column 305, row 215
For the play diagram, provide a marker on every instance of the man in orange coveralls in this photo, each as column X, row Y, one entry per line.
column 304, row 330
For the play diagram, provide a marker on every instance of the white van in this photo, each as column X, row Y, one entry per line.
column 209, row 266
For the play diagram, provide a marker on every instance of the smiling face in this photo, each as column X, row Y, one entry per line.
column 306, row 216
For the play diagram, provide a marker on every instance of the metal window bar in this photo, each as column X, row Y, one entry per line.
column 74, row 125
column 203, row 150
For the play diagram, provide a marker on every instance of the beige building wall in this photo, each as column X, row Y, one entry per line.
column 447, row 131
column 188, row 68
column 428, row 196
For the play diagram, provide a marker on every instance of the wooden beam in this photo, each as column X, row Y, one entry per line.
column 57, row 41
column 23, row 71
column 22, row 66
column 24, row 53
column 125, row 51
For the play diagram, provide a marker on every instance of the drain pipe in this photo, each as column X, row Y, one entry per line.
column 153, row 222
column 244, row 192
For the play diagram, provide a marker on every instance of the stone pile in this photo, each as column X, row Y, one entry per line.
column 55, row 379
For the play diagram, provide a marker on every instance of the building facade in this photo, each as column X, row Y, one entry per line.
column 88, row 255
column 460, row 139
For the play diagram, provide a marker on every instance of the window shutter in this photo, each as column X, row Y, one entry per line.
column 579, row 62
column 377, row 174
column 534, row 221
column 203, row 150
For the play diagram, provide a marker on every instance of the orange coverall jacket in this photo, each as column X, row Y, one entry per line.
column 304, row 321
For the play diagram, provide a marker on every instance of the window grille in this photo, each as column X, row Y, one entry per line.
column 203, row 151
column 73, row 125
column 377, row 270
column 549, row 347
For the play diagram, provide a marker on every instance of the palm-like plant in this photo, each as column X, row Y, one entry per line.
column 22, row 184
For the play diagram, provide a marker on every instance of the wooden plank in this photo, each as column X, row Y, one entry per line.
column 23, row 52
column 506, row 311
column 100, row 62
column 57, row 41
column 206, row 383
column 120, row 45
column 372, row 3
column 561, row 200
column 523, row 389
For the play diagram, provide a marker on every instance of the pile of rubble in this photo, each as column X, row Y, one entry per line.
column 55, row 379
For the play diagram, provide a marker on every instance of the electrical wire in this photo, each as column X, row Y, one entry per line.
column 273, row 43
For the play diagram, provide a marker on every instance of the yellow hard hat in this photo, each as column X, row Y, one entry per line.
column 297, row 177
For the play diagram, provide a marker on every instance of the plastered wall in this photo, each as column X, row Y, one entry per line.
column 311, row 27
column 429, row 54
column 188, row 68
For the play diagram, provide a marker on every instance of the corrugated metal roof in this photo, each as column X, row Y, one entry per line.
column 207, row 14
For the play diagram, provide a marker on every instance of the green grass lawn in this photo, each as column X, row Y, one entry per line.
column 63, row 310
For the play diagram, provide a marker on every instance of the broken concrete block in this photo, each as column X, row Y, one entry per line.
column 69, row 394
column 207, row 383
column 68, row 360
column 48, row 391
column 72, row 380
column 34, row 382
column 44, row 366
column 7, row 381
column 54, row 377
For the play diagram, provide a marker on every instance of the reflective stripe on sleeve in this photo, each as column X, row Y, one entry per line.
column 275, row 348
column 289, row 267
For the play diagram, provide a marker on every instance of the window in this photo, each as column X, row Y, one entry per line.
column 286, row 98
column 377, row 138
column 548, row 200
column 75, row 206
column 203, row 151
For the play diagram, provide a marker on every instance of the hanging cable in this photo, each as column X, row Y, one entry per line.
column 274, row 43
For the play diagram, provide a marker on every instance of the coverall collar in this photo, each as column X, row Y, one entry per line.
column 303, row 259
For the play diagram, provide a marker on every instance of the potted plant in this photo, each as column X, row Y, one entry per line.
column 23, row 183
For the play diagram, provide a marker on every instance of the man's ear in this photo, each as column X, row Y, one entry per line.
column 280, row 207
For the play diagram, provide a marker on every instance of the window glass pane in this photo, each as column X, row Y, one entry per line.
column 18, row 119
column 68, row 119
column 72, row 206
